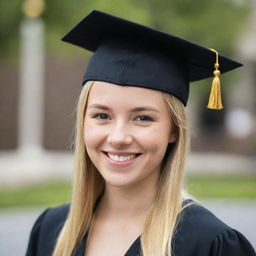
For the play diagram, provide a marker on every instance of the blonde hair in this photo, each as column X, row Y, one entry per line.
column 88, row 185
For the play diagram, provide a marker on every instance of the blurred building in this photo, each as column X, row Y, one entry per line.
column 217, row 137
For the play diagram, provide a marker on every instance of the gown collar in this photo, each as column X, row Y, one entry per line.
column 134, row 249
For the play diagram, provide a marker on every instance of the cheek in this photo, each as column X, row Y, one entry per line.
column 155, row 141
column 92, row 135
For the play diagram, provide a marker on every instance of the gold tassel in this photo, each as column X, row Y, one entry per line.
column 215, row 101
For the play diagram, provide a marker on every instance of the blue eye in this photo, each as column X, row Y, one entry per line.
column 101, row 116
column 144, row 118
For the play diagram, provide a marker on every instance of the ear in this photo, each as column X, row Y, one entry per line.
column 172, row 138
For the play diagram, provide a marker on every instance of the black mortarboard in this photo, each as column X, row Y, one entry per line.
column 127, row 53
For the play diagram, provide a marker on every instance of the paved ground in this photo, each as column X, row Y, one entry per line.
column 15, row 224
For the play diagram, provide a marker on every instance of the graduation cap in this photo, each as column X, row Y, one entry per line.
column 130, row 54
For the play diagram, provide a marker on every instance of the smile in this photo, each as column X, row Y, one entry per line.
column 121, row 157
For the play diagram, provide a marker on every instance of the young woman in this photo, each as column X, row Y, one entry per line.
column 131, row 144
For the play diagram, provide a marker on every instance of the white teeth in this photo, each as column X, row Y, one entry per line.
column 121, row 158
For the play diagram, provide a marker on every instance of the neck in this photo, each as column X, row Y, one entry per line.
column 128, row 202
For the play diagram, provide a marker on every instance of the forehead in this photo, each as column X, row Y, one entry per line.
column 109, row 93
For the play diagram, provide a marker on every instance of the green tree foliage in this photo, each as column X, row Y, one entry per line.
column 9, row 24
column 213, row 23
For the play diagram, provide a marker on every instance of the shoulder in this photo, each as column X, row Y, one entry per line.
column 200, row 232
column 46, row 229
column 55, row 216
column 195, row 214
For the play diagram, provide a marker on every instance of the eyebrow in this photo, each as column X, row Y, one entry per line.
column 137, row 109
column 144, row 108
column 99, row 106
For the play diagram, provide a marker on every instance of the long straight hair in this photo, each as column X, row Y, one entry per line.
column 88, row 185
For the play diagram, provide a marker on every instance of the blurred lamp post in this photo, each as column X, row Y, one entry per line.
column 31, row 78
column 31, row 163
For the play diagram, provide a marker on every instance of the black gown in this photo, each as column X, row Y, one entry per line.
column 199, row 233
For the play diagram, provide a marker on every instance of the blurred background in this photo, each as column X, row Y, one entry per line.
column 40, row 81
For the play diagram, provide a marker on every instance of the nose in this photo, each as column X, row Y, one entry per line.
column 119, row 136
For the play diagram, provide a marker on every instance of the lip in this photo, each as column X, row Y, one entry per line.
column 123, row 163
column 120, row 153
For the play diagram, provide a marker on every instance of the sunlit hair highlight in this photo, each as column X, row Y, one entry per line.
column 88, row 185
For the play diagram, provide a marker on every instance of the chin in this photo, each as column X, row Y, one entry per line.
column 121, row 182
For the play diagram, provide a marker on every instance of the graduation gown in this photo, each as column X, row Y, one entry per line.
column 199, row 233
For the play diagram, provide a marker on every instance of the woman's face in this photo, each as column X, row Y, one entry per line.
column 126, row 132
